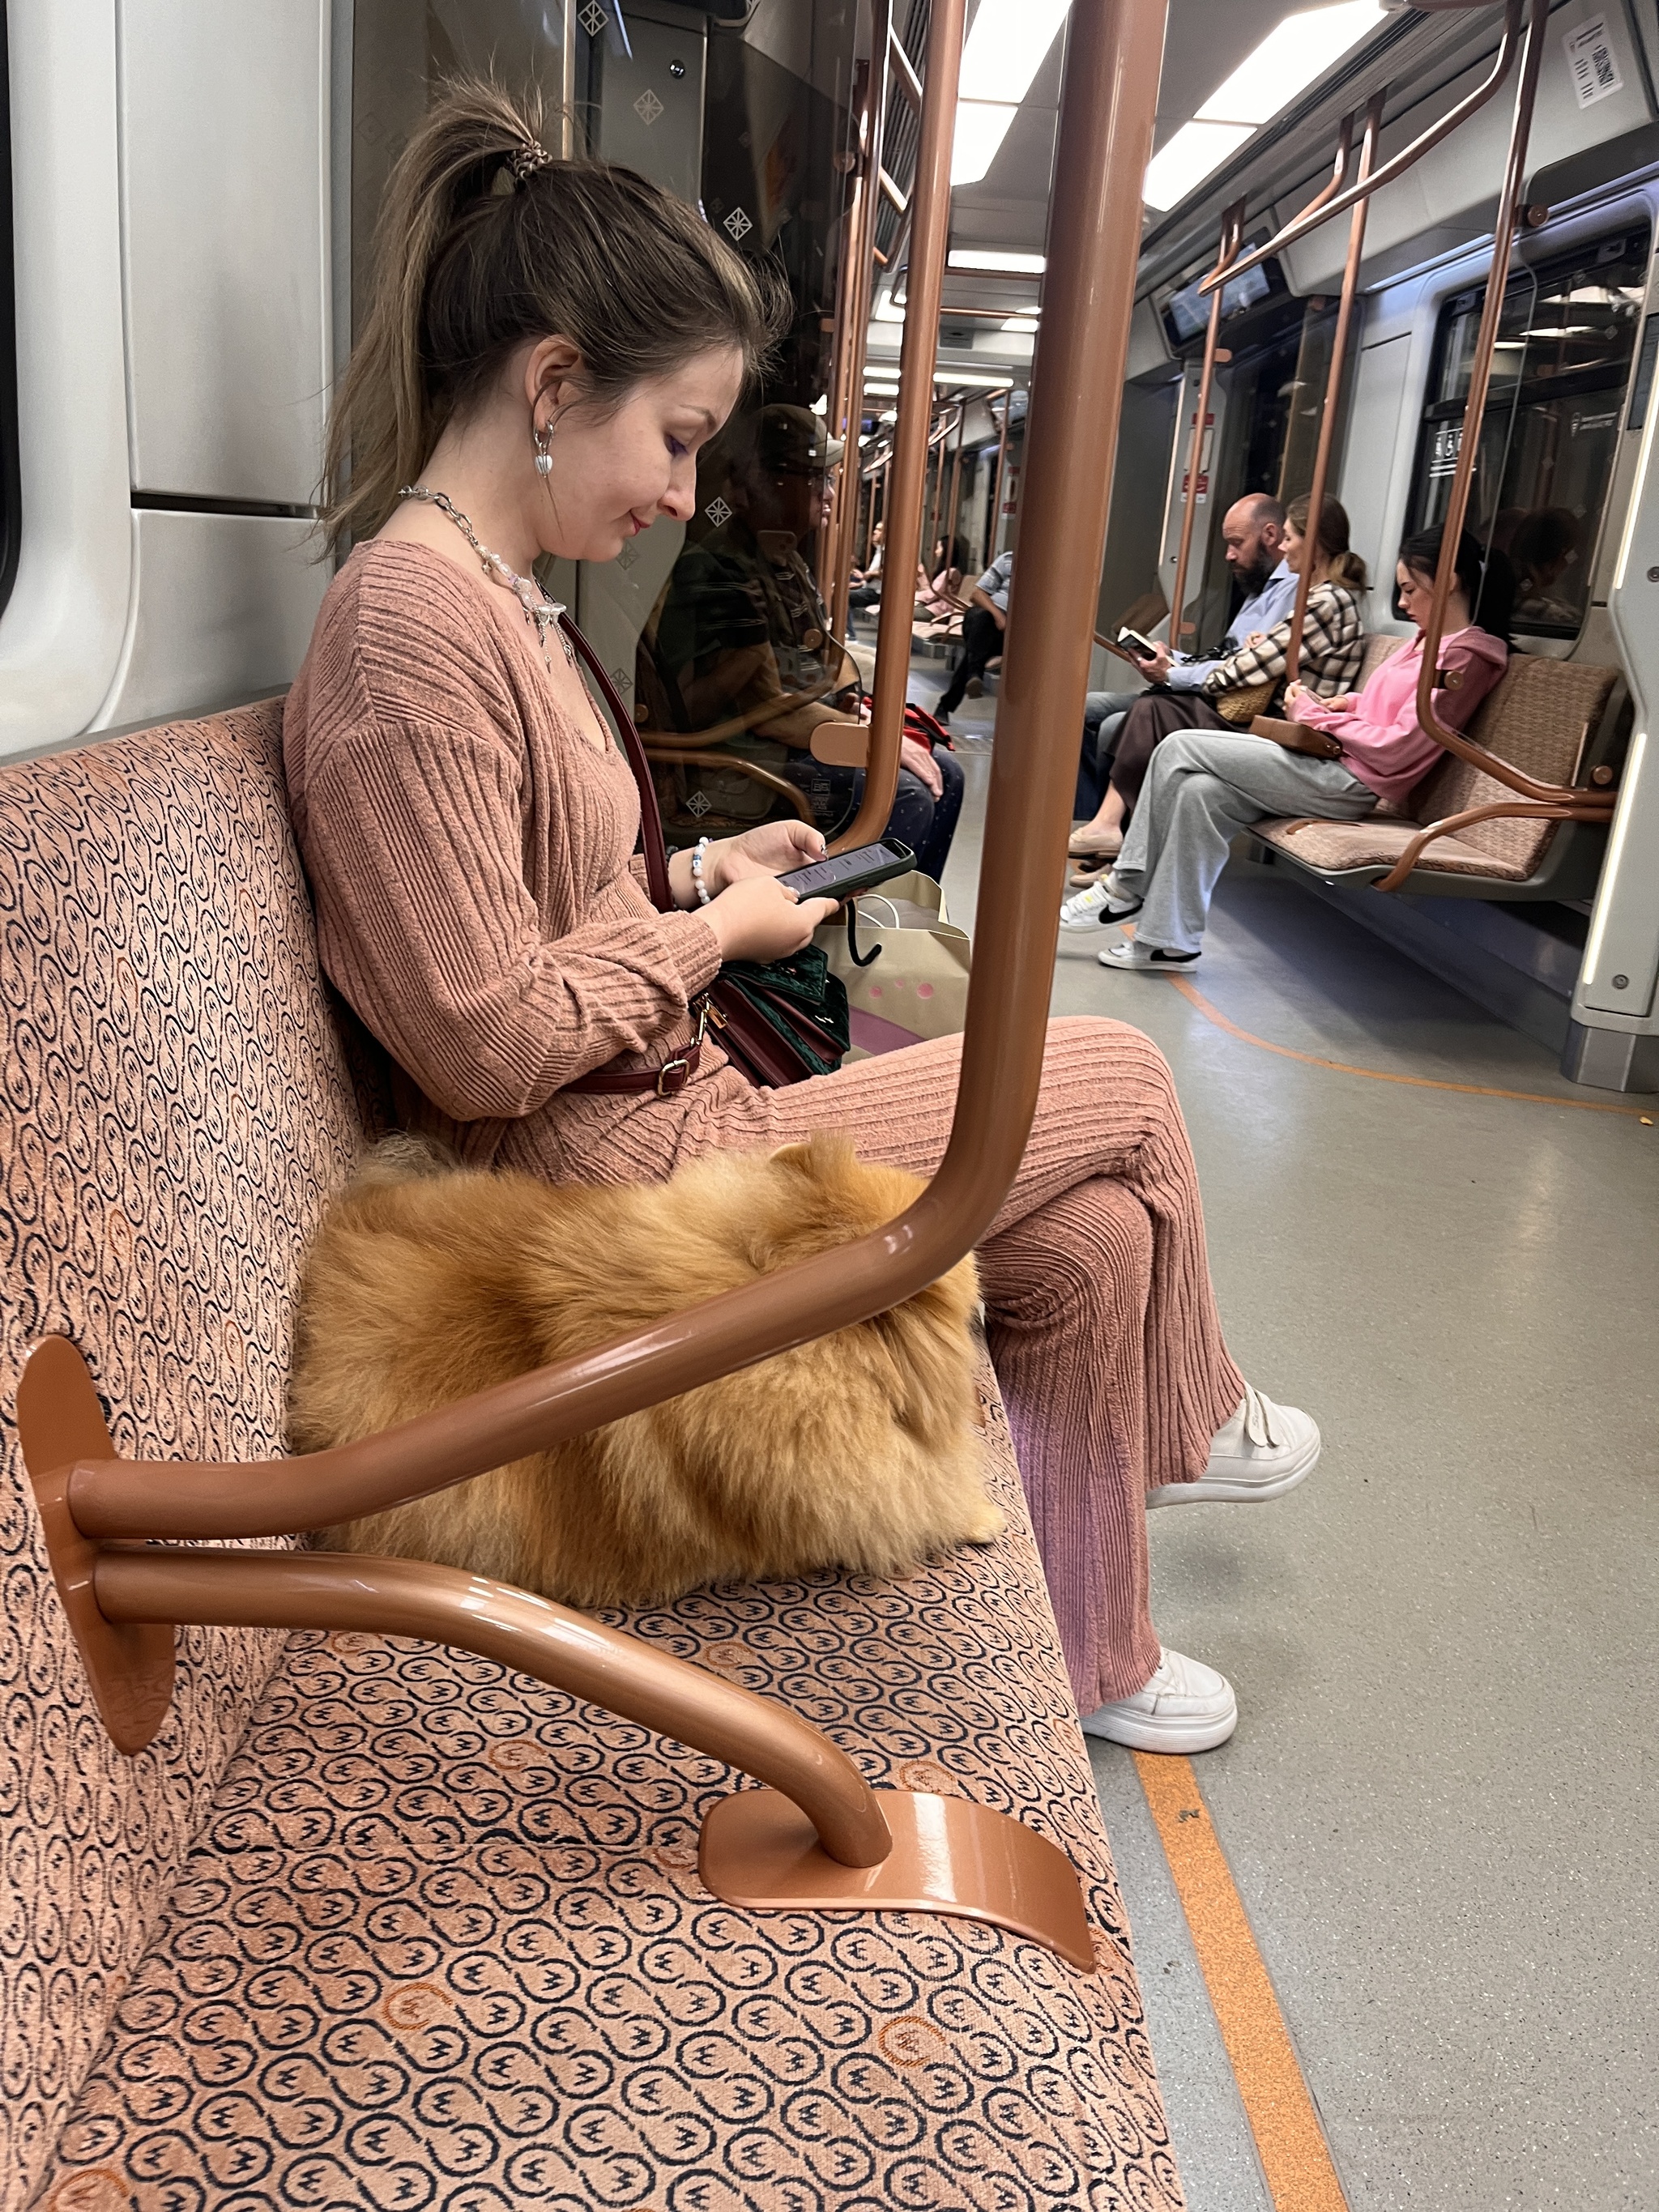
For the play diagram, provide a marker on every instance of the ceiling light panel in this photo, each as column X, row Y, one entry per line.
column 1293, row 54
column 1300, row 48
column 1006, row 48
column 996, row 257
column 1183, row 164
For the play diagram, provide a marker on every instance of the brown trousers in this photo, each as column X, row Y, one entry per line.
column 1147, row 723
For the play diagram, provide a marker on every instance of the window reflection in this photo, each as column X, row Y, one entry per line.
column 1548, row 437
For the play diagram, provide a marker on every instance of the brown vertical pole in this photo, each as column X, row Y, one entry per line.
column 1233, row 231
column 956, row 479
column 1333, row 387
column 1474, row 407
column 1109, row 95
column 996, row 490
column 930, row 225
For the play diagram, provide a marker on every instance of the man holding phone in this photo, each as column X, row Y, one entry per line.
column 1253, row 540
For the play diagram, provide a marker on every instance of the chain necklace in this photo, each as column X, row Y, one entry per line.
column 540, row 612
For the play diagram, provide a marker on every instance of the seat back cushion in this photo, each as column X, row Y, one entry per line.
column 176, row 1108
column 1537, row 717
column 1375, row 647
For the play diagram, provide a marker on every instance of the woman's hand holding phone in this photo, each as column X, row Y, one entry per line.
column 758, row 918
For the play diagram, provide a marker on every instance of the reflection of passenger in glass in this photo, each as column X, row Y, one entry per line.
column 740, row 644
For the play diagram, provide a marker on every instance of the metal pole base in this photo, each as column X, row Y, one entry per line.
column 760, row 1852
column 1610, row 1059
column 60, row 1422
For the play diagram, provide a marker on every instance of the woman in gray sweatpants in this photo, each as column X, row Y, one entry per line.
column 1203, row 787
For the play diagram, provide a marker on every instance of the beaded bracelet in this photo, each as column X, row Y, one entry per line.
column 698, row 885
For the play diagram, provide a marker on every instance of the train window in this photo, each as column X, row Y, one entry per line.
column 1550, row 431
column 11, row 500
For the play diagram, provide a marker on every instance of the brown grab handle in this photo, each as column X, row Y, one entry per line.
column 1328, row 203
column 407, row 1597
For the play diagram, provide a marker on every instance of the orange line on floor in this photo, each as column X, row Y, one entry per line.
column 1289, row 2140
column 1195, row 997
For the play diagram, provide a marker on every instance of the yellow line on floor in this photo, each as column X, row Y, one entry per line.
column 1289, row 2140
column 1191, row 992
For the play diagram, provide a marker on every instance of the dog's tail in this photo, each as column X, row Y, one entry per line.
column 406, row 1156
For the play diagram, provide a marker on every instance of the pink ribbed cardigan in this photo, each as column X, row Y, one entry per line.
column 468, row 852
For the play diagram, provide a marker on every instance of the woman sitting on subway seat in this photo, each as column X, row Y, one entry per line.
column 1246, row 682
column 548, row 346
column 1204, row 787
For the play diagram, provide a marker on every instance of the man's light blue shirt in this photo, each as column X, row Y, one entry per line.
column 997, row 577
column 1271, row 605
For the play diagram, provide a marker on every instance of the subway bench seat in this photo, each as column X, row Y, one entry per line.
column 1550, row 719
column 374, row 1923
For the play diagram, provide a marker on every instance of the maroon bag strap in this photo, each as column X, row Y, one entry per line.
column 652, row 840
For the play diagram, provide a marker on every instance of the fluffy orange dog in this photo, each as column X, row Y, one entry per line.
column 859, row 1451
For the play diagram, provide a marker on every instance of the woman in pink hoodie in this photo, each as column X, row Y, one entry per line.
column 1205, row 787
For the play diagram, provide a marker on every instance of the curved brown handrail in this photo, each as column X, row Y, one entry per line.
column 1233, row 231
column 1599, row 806
column 1505, row 810
column 1333, row 374
column 1326, row 205
column 408, row 1597
column 693, row 757
column 930, row 223
column 738, row 725
column 1104, row 140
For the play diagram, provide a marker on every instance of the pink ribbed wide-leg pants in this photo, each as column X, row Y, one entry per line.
column 1100, row 1318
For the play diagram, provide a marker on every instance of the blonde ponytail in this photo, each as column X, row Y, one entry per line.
column 1342, row 564
column 484, row 241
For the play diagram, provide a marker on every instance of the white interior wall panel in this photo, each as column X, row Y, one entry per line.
column 1376, row 466
column 224, row 158
column 223, row 606
column 61, row 633
column 1465, row 169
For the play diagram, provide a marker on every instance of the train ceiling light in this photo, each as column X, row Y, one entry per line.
column 1008, row 45
column 1300, row 48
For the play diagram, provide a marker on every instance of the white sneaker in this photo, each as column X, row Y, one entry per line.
column 1262, row 1452
column 1095, row 908
column 1132, row 953
column 1185, row 1707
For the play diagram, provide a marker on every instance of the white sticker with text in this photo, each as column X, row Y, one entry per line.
column 1593, row 62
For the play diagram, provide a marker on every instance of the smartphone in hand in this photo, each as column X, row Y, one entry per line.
column 844, row 875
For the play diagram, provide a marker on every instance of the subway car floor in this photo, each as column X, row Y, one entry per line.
column 1440, row 1804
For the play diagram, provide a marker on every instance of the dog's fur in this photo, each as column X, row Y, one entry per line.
column 860, row 1449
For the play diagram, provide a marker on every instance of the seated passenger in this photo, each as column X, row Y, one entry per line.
column 467, row 825
column 1235, row 687
column 741, row 636
column 1205, row 787
column 983, row 625
column 940, row 600
column 866, row 582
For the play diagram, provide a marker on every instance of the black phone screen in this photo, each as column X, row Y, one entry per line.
column 844, row 873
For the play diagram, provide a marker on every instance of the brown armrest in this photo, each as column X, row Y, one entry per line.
column 840, row 744
column 1507, row 809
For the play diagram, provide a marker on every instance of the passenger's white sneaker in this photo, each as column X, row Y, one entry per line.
column 1185, row 1707
column 1095, row 908
column 1262, row 1452
column 1132, row 953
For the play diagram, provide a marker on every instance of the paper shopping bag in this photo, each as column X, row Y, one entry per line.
column 917, row 985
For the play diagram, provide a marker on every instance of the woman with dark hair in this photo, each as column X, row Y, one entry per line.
column 549, row 345
column 1242, row 684
column 1204, row 788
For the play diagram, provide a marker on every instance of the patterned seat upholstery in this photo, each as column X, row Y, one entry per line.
column 374, row 1924
column 1538, row 716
